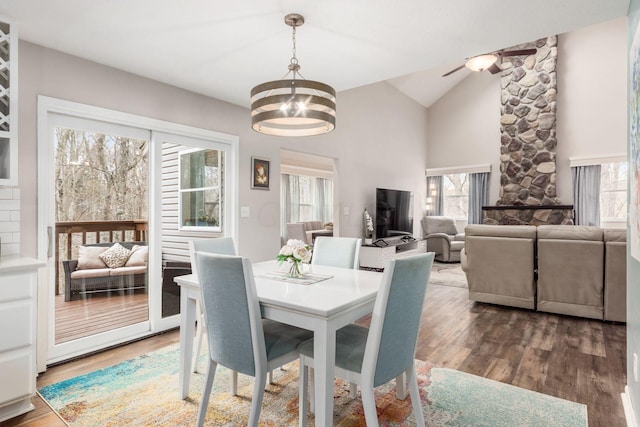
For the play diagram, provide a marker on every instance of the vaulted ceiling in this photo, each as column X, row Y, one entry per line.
column 224, row 48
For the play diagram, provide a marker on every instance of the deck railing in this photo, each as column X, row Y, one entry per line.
column 70, row 235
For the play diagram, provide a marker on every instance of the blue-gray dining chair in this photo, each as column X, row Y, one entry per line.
column 386, row 350
column 341, row 252
column 238, row 337
column 215, row 245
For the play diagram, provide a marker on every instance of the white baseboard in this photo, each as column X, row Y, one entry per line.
column 628, row 408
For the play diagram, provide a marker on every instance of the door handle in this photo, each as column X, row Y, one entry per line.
column 50, row 242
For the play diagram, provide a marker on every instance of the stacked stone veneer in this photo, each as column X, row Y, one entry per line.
column 528, row 133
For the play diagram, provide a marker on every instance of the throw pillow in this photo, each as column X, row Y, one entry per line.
column 116, row 256
column 139, row 256
column 89, row 257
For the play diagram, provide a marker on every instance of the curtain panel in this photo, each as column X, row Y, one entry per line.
column 478, row 195
column 435, row 196
column 586, row 194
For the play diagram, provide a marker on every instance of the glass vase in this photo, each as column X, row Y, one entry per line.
column 294, row 270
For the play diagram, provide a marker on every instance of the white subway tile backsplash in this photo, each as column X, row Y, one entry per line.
column 10, row 221
column 10, row 249
column 9, row 227
column 9, row 205
column 6, row 194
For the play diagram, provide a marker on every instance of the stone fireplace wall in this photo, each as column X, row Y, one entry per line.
column 528, row 127
column 528, row 141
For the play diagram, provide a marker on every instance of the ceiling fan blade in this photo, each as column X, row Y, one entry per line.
column 453, row 71
column 519, row 52
column 495, row 68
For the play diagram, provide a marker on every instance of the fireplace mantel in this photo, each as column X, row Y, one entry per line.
column 527, row 214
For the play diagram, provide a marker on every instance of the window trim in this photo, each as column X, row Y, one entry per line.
column 213, row 229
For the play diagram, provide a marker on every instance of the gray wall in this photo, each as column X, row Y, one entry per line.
column 633, row 276
column 379, row 140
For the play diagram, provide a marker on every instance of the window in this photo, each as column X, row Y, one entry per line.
column 613, row 191
column 308, row 198
column 201, row 198
column 456, row 195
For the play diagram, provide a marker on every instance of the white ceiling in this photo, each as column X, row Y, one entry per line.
column 224, row 48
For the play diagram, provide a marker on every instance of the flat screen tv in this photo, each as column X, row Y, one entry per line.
column 394, row 213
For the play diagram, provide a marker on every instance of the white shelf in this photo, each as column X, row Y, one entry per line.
column 376, row 257
column 8, row 103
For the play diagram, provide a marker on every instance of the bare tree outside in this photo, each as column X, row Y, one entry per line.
column 100, row 177
column 613, row 190
column 456, row 195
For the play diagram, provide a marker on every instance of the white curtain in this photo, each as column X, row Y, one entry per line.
column 478, row 195
column 324, row 199
column 435, row 196
column 586, row 194
column 285, row 202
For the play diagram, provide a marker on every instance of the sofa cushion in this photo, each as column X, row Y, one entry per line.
column 139, row 256
column 570, row 232
column 90, row 273
column 116, row 256
column 125, row 271
column 615, row 235
column 89, row 257
column 508, row 231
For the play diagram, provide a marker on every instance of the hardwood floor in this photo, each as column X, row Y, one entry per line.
column 98, row 313
column 576, row 359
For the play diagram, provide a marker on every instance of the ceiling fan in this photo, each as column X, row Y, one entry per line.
column 489, row 61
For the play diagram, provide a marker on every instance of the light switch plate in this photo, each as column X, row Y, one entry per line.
column 244, row 212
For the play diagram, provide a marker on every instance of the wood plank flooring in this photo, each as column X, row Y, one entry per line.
column 576, row 359
column 98, row 313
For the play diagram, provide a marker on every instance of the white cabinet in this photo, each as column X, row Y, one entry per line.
column 378, row 257
column 18, row 285
column 8, row 103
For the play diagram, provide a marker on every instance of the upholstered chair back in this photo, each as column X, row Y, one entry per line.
column 231, row 311
column 218, row 245
column 343, row 252
column 393, row 333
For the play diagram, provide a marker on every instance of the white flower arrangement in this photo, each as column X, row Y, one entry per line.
column 368, row 225
column 295, row 252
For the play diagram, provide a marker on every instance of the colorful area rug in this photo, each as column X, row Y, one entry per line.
column 144, row 392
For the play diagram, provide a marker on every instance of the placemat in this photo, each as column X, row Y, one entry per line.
column 307, row 279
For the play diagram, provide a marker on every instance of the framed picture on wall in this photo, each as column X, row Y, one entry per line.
column 260, row 173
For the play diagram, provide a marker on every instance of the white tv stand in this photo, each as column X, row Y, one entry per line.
column 372, row 256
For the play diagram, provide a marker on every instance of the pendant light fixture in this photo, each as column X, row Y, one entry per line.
column 293, row 106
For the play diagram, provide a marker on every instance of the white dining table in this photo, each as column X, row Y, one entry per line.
column 321, row 307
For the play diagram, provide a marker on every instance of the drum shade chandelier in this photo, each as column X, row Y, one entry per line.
column 295, row 106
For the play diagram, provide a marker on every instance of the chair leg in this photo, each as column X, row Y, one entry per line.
column 353, row 390
column 312, row 392
column 270, row 377
column 415, row 396
column 256, row 401
column 401, row 386
column 369, row 405
column 206, row 392
column 303, row 383
column 199, row 328
column 234, row 383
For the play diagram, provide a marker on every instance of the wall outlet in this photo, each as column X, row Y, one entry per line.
column 635, row 366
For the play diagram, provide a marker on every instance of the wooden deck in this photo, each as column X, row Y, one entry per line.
column 98, row 313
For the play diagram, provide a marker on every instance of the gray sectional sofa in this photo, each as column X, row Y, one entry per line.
column 564, row 269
